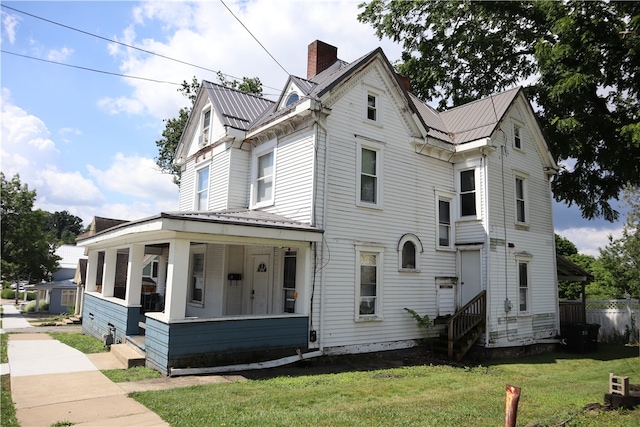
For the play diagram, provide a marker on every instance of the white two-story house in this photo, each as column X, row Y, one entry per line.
column 307, row 225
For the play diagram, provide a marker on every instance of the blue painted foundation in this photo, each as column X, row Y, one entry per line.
column 98, row 314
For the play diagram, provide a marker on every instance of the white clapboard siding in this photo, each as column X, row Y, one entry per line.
column 187, row 185
column 536, row 240
column 294, row 177
column 408, row 182
column 238, row 194
column 214, row 283
column 219, row 187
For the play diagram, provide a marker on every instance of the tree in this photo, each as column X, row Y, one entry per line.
column 565, row 247
column 621, row 257
column 26, row 251
column 168, row 144
column 579, row 62
column 63, row 227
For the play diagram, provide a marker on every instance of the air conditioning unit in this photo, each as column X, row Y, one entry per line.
column 203, row 139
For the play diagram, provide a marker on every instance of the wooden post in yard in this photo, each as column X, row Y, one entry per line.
column 511, row 406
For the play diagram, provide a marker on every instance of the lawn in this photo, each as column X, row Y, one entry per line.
column 555, row 388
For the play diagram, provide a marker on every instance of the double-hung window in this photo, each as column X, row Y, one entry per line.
column 372, row 107
column 369, row 178
column 202, row 189
column 444, row 223
column 521, row 203
column 197, row 285
column 264, row 169
column 368, row 282
column 68, row 297
column 517, row 139
column 289, row 282
column 468, row 193
column 523, row 286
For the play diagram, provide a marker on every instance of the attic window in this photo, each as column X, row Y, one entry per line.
column 293, row 98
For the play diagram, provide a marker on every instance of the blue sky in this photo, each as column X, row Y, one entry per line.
column 86, row 140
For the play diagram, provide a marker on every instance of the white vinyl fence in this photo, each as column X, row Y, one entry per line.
column 618, row 319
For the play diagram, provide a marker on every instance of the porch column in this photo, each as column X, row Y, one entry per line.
column 177, row 279
column 92, row 271
column 109, row 275
column 134, row 275
column 79, row 299
column 162, row 273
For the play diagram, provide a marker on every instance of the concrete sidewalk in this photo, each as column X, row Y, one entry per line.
column 52, row 382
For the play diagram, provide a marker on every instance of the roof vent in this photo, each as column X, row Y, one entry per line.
column 320, row 57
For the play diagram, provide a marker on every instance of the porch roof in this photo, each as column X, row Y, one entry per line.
column 245, row 225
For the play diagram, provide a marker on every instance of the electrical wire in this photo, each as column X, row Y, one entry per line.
column 125, row 45
column 254, row 37
column 90, row 69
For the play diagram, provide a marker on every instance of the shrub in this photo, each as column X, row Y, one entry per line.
column 31, row 307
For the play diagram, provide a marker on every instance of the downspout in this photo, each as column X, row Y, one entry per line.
column 487, row 243
column 324, row 227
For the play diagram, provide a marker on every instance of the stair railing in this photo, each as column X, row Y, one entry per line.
column 467, row 318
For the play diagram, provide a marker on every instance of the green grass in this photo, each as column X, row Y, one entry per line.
column 85, row 343
column 138, row 373
column 555, row 388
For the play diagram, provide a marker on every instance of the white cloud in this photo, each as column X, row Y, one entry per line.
column 136, row 176
column 206, row 34
column 25, row 140
column 59, row 55
column 9, row 24
column 589, row 239
column 71, row 188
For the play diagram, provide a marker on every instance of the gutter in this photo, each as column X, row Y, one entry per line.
column 176, row 372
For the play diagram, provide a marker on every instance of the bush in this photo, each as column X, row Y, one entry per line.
column 11, row 294
column 31, row 307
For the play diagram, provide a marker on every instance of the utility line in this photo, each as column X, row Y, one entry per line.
column 254, row 37
column 126, row 45
column 90, row 69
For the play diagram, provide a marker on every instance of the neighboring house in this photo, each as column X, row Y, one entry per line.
column 62, row 292
column 311, row 222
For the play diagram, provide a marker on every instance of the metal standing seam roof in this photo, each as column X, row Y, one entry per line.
column 478, row 119
column 243, row 217
column 238, row 109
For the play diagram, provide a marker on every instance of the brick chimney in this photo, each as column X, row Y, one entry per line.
column 320, row 57
column 406, row 82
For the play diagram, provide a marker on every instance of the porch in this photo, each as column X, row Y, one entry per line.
column 213, row 298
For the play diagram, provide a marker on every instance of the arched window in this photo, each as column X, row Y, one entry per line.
column 293, row 98
column 409, row 255
column 409, row 250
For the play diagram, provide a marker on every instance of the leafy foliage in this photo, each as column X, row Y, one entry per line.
column 580, row 61
column 26, row 250
column 621, row 257
column 424, row 322
column 63, row 227
column 168, row 144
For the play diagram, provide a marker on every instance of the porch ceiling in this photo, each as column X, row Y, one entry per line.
column 241, row 227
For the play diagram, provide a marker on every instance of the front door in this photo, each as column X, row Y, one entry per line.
column 260, row 284
column 470, row 276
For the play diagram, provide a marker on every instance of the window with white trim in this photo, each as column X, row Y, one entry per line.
column 521, row 201
column 372, row 107
column 369, row 178
column 202, row 189
column 289, row 282
column 444, row 223
column 264, row 169
column 206, row 126
column 197, row 276
column 523, row 286
column 409, row 250
column 517, row 140
column 467, row 191
column 368, row 282
column 68, row 297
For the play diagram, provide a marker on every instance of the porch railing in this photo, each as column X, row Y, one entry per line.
column 467, row 318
